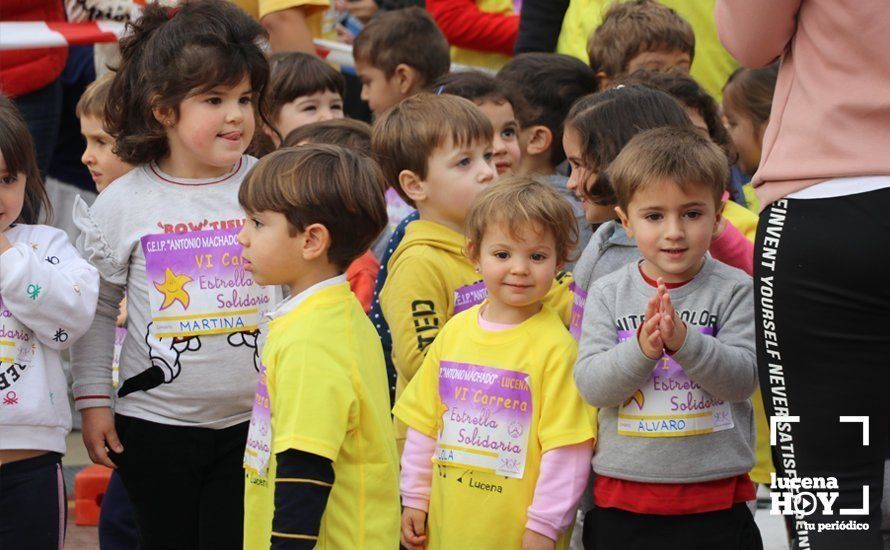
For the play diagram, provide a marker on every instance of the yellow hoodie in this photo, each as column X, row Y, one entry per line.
column 418, row 297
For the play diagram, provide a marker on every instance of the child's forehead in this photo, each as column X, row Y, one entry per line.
column 669, row 193
column 525, row 233
column 449, row 145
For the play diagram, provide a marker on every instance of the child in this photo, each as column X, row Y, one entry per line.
column 747, row 102
column 436, row 151
column 302, row 89
column 497, row 103
column 597, row 129
column 47, row 300
column 99, row 157
column 684, row 358
column 640, row 34
column 704, row 113
column 117, row 527
column 354, row 135
column 549, row 84
column 398, row 54
column 323, row 469
column 188, row 84
column 438, row 148
column 501, row 371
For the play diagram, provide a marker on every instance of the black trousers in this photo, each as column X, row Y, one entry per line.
column 822, row 299
column 614, row 529
column 186, row 485
column 33, row 504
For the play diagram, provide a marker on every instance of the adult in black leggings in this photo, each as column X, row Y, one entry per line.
column 822, row 257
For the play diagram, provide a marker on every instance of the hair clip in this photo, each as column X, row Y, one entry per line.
column 171, row 12
column 440, row 89
column 618, row 87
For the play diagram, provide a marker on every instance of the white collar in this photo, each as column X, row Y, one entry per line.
column 292, row 302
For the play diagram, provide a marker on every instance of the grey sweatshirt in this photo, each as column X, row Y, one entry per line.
column 169, row 243
column 559, row 182
column 720, row 372
column 608, row 249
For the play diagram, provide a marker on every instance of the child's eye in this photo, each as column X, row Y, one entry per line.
column 214, row 100
column 337, row 106
column 502, row 255
column 463, row 162
column 257, row 223
column 308, row 108
column 538, row 257
column 508, row 133
column 245, row 100
column 653, row 216
column 8, row 180
column 488, row 156
column 693, row 214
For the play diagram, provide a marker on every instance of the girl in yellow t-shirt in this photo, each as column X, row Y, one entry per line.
column 499, row 441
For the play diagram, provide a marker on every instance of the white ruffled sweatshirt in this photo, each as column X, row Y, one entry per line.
column 48, row 299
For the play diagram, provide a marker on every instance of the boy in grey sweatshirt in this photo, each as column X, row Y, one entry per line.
column 667, row 356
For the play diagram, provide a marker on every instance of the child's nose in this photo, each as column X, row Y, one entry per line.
column 486, row 174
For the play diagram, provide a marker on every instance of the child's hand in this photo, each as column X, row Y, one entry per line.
column 99, row 433
column 672, row 328
column 536, row 541
column 650, row 334
column 413, row 528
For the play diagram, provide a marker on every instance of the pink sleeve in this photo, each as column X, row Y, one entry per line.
column 733, row 248
column 417, row 470
column 756, row 32
column 563, row 478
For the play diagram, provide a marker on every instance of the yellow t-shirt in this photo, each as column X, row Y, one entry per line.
column 495, row 402
column 478, row 59
column 712, row 64
column 418, row 297
column 742, row 219
column 314, row 10
column 328, row 392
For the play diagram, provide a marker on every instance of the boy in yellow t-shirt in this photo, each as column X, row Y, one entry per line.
column 322, row 464
column 499, row 440
column 437, row 153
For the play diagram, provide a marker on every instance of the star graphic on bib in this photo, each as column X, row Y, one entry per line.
column 637, row 398
column 173, row 289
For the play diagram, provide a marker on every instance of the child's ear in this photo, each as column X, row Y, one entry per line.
column 316, row 241
column 407, row 78
column 164, row 115
column 623, row 217
column 719, row 221
column 540, row 140
column 605, row 82
column 412, row 185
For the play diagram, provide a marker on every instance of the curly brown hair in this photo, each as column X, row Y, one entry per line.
column 172, row 54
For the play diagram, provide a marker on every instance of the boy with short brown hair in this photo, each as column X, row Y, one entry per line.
column 320, row 426
column 398, row 54
column 640, row 34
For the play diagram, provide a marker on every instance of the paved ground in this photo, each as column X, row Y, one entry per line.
column 86, row 538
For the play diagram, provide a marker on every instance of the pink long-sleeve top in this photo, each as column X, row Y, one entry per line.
column 831, row 115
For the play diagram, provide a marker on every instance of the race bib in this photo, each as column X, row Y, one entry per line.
column 259, row 434
column 197, row 284
column 17, row 348
column 670, row 404
column 486, row 419
column 468, row 296
column 579, row 298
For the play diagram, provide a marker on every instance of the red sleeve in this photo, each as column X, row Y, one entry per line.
column 361, row 274
column 465, row 26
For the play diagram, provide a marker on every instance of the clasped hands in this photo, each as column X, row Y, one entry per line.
column 662, row 328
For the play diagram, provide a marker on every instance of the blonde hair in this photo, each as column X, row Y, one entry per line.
column 683, row 156
column 92, row 101
column 406, row 135
column 520, row 203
